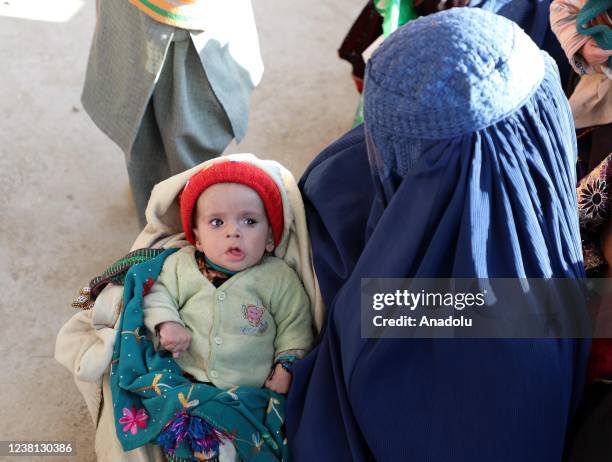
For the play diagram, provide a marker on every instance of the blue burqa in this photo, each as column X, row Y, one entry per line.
column 469, row 173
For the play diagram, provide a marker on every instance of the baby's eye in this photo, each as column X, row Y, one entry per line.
column 249, row 221
column 216, row 222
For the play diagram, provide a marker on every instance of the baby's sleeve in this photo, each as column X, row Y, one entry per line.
column 563, row 15
column 161, row 303
column 292, row 315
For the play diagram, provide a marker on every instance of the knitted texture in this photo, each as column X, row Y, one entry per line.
column 448, row 74
column 117, row 271
column 233, row 172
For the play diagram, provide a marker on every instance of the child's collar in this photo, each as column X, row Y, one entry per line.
column 219, row 268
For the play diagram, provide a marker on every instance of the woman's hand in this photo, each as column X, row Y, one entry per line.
column 594, row 55
column 174, row 337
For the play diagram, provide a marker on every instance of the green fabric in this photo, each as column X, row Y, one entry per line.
column 162, row 12
column 395, row 13
column 151, row 384
column 601, row 33
column 359, row 112
column 237, row 328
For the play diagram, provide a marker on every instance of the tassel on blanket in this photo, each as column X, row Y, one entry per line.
column 84, row 300
column 201, row 437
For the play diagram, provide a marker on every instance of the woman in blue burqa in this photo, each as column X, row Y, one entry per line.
column 469, row 173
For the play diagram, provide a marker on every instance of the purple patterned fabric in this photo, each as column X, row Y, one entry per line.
column 594, row 192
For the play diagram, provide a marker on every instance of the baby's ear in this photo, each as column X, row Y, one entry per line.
column 270, row 241
column 198, row 244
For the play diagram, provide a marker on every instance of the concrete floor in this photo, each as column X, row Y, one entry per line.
column 66, row 211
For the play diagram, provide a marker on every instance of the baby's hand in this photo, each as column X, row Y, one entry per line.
column 594, row 55
column 279, row 380
column 174, row 337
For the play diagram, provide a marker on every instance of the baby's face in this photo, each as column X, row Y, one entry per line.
column 231, row 226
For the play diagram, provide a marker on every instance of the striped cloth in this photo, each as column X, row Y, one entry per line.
column 115, row 274
column 117, row 271
column 185, row 14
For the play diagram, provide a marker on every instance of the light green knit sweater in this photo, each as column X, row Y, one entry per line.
column 239, row 328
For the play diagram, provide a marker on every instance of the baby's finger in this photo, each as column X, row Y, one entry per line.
column 180, row 347
column 176, row 354
column 170, row 346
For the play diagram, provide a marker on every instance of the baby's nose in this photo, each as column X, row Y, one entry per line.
column 233, row 231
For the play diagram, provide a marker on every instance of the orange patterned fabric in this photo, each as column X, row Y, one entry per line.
column 185, row 14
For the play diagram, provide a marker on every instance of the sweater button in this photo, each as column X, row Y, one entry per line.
column 221, row 296
column 218, row 340
column 214, row 374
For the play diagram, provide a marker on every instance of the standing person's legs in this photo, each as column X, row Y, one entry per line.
column 147, row 163
column 184, row 123
column 193, row 124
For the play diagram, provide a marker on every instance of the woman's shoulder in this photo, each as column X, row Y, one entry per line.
column 341, row 168
column 351, row 142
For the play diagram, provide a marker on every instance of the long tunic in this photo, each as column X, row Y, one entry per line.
column 129, row 49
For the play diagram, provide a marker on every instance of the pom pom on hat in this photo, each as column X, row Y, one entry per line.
column 233, row 172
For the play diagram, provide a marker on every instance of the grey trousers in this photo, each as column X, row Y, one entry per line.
column 183, row 125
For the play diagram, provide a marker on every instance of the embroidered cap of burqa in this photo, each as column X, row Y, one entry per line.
column 472, row 153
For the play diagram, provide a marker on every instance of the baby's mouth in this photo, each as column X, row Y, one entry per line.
column 235, row 252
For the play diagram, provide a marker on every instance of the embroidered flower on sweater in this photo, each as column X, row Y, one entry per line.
column 254, row 314
column 133, row 420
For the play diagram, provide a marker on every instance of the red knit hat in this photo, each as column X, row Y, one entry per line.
column 233, row 172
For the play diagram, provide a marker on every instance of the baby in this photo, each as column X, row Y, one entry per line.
column 230, row 313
